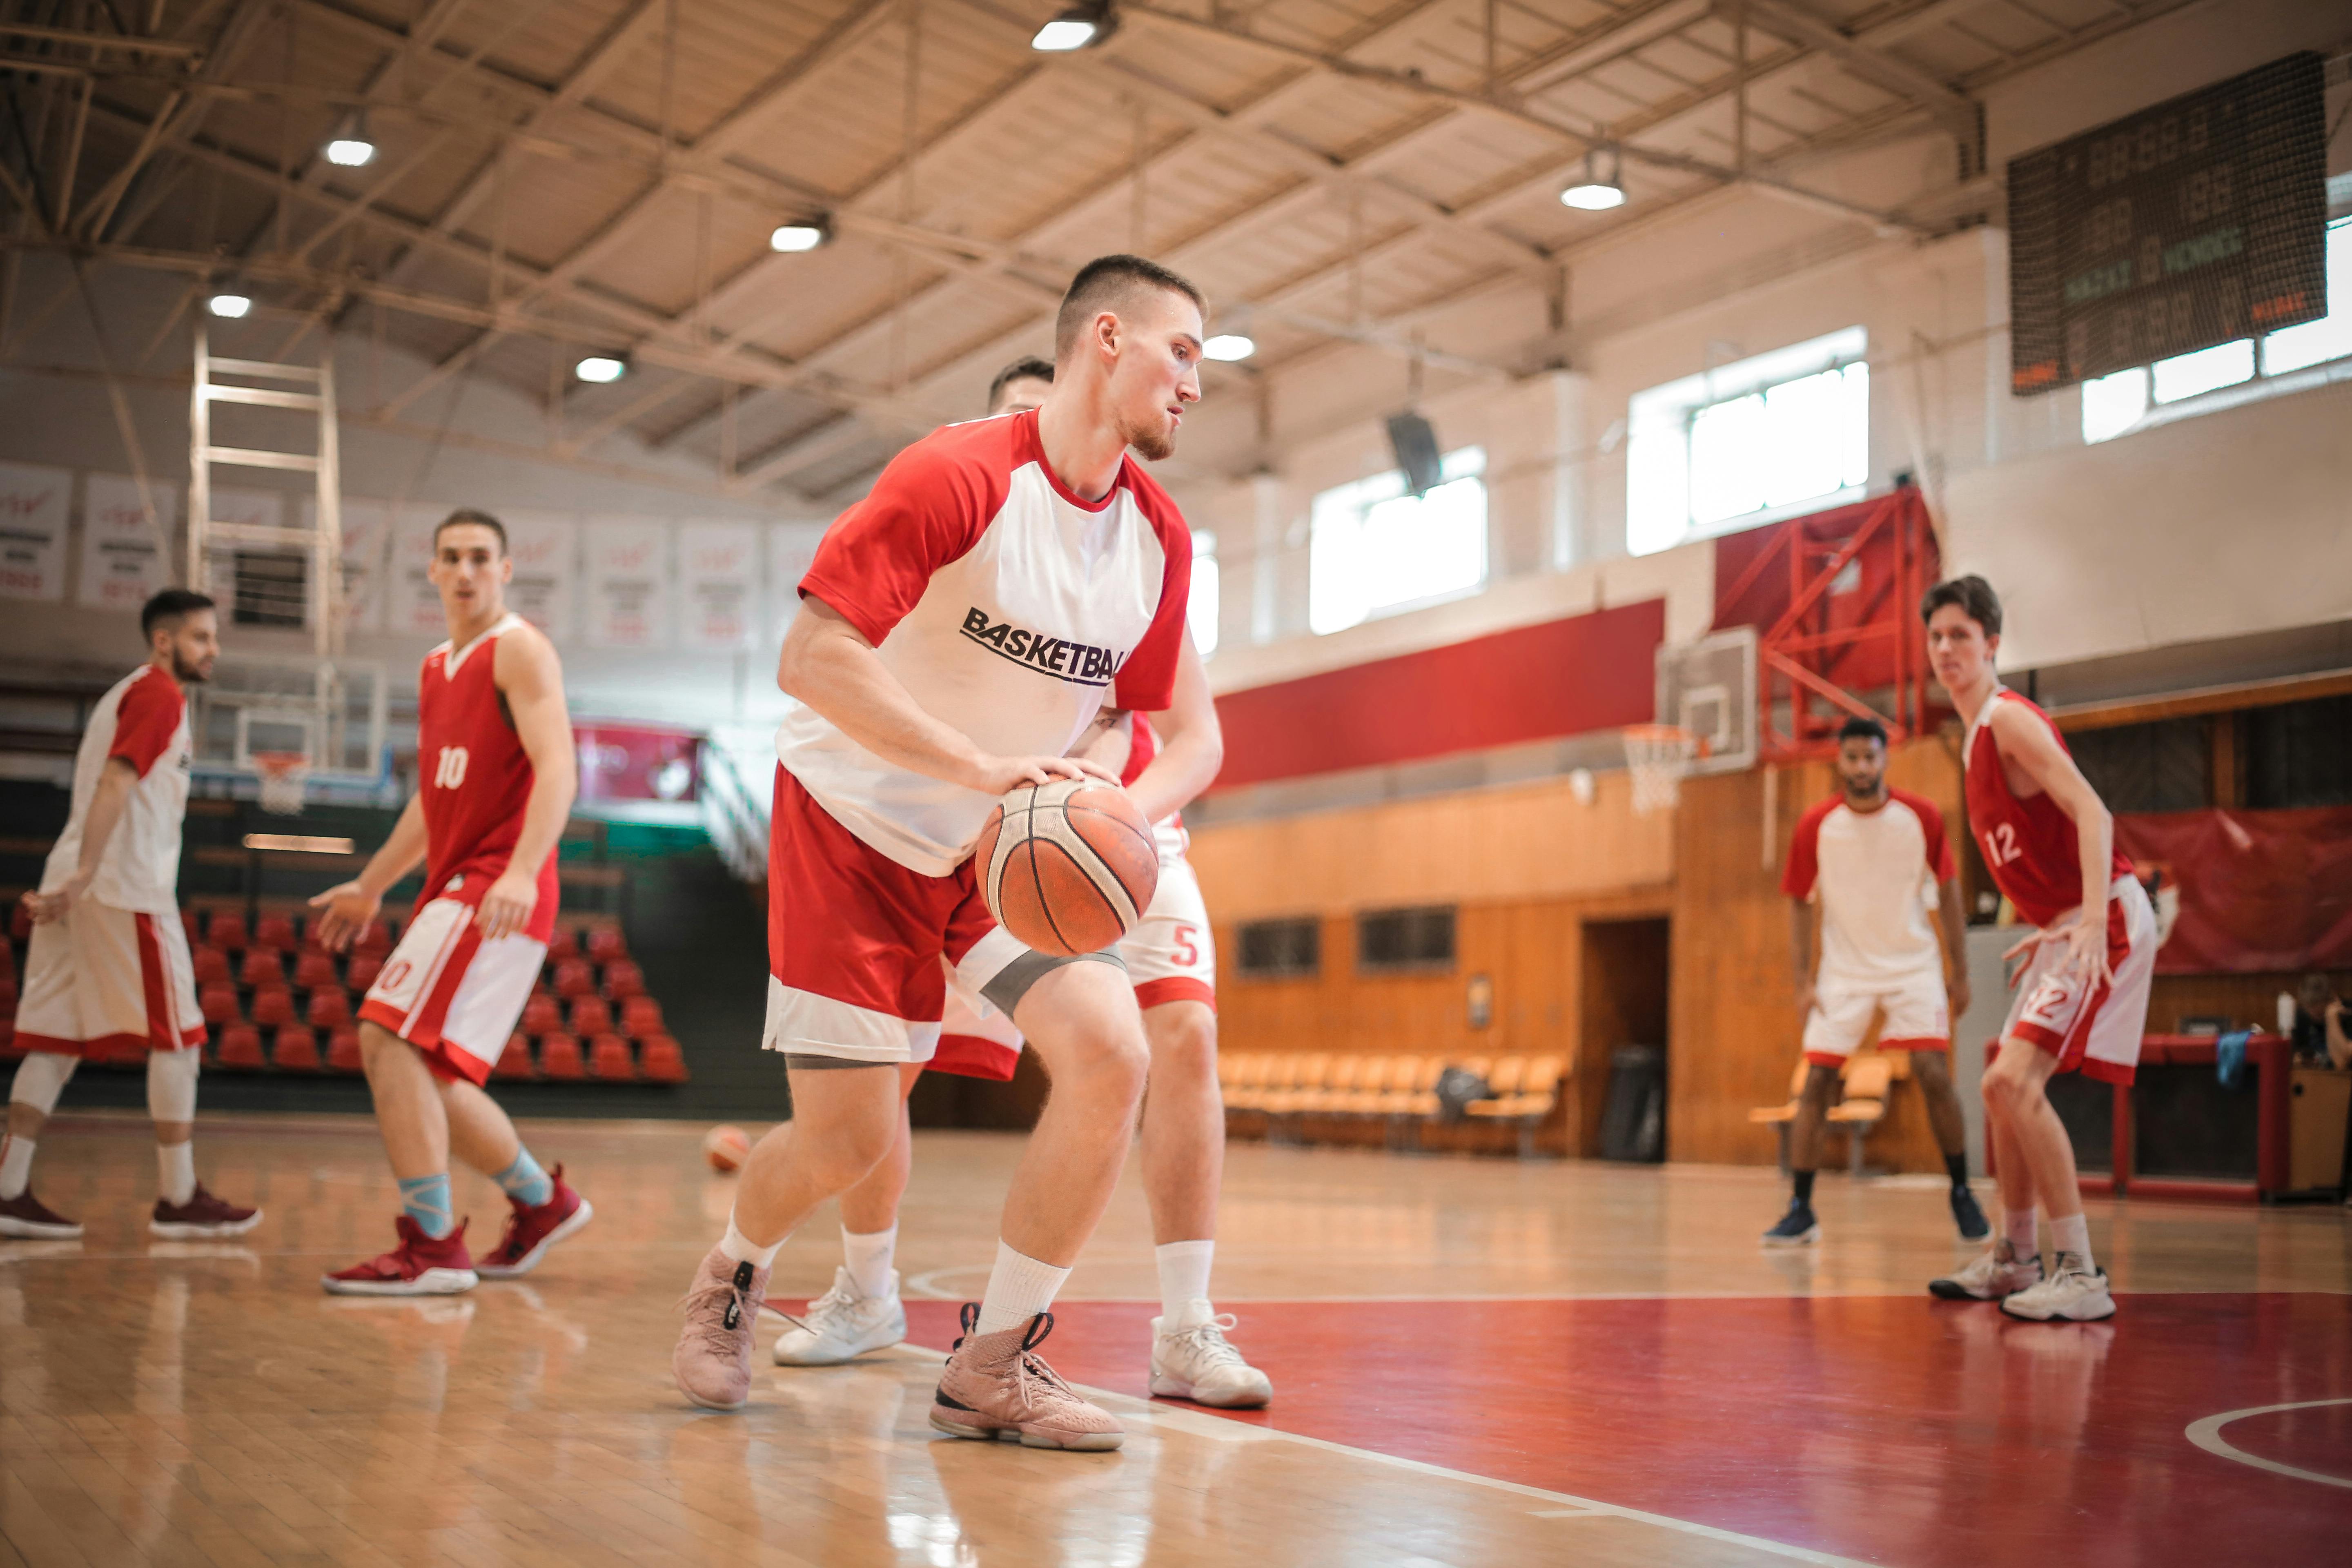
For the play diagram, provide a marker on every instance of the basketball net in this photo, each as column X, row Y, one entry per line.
column 1658, row 755
column 281, row 774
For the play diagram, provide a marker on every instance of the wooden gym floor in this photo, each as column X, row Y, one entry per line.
column 1476, row 1361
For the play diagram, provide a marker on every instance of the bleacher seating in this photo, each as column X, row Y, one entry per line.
column 343, row 1050
column 212, row 967
column 1865, row 1082
column 239, row 1048
column 360, row 973
column 225, row 931
column 1292, row 1089
column 296, row 1049
column 262, row 966
column 314, row 970
column 273, row 1008
column 609, row 1059
column 591, row 1017
column 558, row 1057
column 329, row 1009
column 515, row 1060
column 274, row 931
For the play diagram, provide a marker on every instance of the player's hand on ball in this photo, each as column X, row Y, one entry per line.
column 348, row 909
column 1002, row 775
column 506, row 908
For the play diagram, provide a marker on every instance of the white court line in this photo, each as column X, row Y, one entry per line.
column 2207, row 1434
column 1195, row 1423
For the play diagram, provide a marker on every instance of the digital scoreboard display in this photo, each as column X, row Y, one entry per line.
column 2198, row 221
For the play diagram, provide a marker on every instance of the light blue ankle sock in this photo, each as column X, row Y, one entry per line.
column 524, row 1181
column 425, row 1200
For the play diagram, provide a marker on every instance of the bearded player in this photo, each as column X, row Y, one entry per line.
column 2082, row 995
column 961, row 631
column 109, row 966
column 496, row 778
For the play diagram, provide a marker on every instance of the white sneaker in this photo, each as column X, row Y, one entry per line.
column 841, row 1323
column 1997, row 1273
column 1199, row 1363
column 2074, row 1292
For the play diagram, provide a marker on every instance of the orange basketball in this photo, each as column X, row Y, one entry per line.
column 1067, row 867
column 725, row 1146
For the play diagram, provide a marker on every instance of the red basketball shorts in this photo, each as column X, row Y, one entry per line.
column 2094, row 1027
column 451, row 995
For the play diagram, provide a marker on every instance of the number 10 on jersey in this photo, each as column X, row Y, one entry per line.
column 449, row 768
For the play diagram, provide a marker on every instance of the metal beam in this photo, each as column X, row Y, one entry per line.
column 1960, row 115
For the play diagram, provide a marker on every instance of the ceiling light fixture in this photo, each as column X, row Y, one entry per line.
column 1081, row 26
column 799, row 235
column 230, row 307
column 601, row 368
column 1228, row 347
column 354, row 148
column 1595, row 193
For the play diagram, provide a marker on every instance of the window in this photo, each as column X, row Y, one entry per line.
column 2116, row 404
column 1373, row 550
column 1722, row 450
column 2300, row 753
column 1201, row 612
column 1281, row 950
column 1389, row 941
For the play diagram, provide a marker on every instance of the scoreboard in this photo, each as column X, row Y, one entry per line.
column 2200, row 220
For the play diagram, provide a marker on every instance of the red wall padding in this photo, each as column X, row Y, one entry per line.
column 2259, row 889
column 1562, row 677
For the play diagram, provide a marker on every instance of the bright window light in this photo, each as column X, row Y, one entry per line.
column 2185, row 375
column 1373, row 550
column 351, row 152
column 2330, row 337
column 1229, row 347
column 230, row 307
column 1201, row 612
column 600, row 368
column 2114, row 403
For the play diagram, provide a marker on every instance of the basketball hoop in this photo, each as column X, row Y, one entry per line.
column 282, row 775
column 1658, row 755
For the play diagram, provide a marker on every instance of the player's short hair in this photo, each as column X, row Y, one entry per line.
column 1975, row 597
column 1860, row 729
column 1111, row 281
column 466, row 515
column 1028, row 367
column 170, row 608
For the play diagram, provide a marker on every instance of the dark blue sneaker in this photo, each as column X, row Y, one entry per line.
column 1797, row 1227
column 1971, row 1219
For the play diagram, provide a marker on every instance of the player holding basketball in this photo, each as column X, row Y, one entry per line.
column 960, row 630
column 109, row 965
column 496, row 778
column 1865, row 859
column 2082, row 995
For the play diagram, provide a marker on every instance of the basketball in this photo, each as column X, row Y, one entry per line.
column 1067, row 867
column 725, row 1146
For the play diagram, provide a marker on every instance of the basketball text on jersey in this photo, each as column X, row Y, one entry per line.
column 1078, row 663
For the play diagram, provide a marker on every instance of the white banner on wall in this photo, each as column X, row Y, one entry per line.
column 719, row 585
column 792, row 547
column 33, row 506
column 546, row 550
column 122, row 563
column 628, row 582
column 367, row 525
column 413, row 603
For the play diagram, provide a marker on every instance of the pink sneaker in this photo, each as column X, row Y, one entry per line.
column 995, row 1387
column 712, row 1362
column 532, row 1231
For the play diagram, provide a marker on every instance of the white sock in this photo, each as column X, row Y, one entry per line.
column 15, row 1166
column 868, row 1259
column 2072, row 1235
column 742, row 1248
column 176, row 1164
column 1018, row 1290
column 2019, row 1225
column 1184, row 1283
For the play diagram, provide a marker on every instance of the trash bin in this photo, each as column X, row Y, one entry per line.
column 1633, row 1119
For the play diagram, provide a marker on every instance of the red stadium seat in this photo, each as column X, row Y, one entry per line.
column 563, row 945
column 213, row 967
column 273, row 1008
column 343, row 1051
column 218, row 1004
column 663, row 1062
column 328, row 1009
column 7, row 961
column 240, row 1049
column 275, row 930
column 361, row 974
column 226, row 932
column 9, row 1049
column 7, row 995
column 296, row 1049
column 610, row 1060
column 20, row 922
column 641, row 1017
column 559, row 1057
column 375, row 940
column 574, row 978
column 623, row 979
column 515, row 1060
column 591, row 1017
column 540, row 1016
column 313, row 969
column 605, row 943
column 262, row 966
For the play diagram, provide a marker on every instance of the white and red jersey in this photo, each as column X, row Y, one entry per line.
column 1144, row 745
column 1874, row 873
column 474, row 776
column 143, row 719
column 2029, row 843
column 1006, row 606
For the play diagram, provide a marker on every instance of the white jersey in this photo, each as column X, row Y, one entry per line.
column 1875, row 874
column 143, row 719
column 1006, row 606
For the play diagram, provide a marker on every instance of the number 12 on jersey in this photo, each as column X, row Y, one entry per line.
column 2000, row 843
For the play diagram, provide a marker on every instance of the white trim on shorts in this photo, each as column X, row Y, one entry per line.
column 443, row 987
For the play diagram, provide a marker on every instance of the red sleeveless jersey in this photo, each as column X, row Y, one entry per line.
column 475, row 777
column 2029, row 843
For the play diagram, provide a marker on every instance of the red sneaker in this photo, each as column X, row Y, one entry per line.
column 531, row 1231
column 420, row 1266
column 202, row 1216
column 27, row 1216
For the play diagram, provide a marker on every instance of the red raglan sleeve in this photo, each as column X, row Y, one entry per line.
column 1804, row 866
column 1147, row 681
column 928, row 508
column 146, row 720
column 1931, row 822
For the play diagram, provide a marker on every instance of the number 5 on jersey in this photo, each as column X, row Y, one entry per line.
column 449, row 768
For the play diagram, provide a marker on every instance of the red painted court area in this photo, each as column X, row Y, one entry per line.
column 1895, row 1430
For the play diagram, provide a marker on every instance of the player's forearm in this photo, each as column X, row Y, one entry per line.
column 848, row 682
column 400, row 854
column 1108, row 742
column 1954, row 925
column 544, row 814
column 1801, row 939
column 2094, row 833
column 106, row 804
column 1187, row 765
